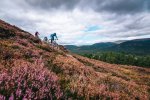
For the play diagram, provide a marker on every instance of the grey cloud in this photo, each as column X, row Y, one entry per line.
column 113, row 6
column 124, row 6
column 128, row 26
column 53, row 4
column 135, row 24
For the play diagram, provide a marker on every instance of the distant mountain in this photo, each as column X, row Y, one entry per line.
column 71, row 48
column 138, row 46
column 89, row 48
column 97, row 46
column 120, row 41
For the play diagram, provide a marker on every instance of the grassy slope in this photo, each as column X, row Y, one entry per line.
column 80, row 77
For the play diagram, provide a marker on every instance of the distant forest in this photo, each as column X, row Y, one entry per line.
column 121, row 58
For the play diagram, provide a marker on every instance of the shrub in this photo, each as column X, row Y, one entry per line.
column 6, row 34
column 29, row 82
column 7, row 54
column 23, row 42
column 46, row 48
column 54, row 68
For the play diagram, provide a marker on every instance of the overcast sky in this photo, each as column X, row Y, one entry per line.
column 80, row 22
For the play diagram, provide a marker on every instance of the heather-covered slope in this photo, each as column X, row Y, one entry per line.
column 32, row 62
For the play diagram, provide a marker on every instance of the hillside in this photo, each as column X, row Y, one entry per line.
column 32, row 69
column 138, row 46
column 89, row 48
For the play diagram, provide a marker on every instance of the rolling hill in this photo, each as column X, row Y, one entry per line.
column 138, row 47
column 89, row 48
column 33, row 69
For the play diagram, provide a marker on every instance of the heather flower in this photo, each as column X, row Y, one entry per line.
column 29, row 81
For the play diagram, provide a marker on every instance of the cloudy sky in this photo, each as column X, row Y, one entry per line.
column 80, row 22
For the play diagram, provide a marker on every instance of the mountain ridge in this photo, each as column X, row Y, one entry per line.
column 89, row 48
column 136, row 46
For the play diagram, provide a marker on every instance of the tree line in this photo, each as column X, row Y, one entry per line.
column 121, row 58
